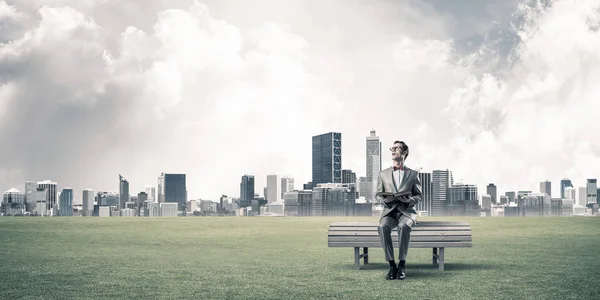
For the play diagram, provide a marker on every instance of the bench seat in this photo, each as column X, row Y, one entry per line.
column 437, row 235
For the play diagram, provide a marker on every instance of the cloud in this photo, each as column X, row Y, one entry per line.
column 534, row 120
column 219, row 89
column 8, row 12
column 195, row 91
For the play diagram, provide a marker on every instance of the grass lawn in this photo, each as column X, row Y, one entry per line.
column 286, row 258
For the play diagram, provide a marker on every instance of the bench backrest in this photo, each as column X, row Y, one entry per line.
column 425, row 234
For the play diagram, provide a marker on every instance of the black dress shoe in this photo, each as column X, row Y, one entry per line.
column 401, row 275
column 392, row 273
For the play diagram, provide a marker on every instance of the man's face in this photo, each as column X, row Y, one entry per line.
column 396, row 151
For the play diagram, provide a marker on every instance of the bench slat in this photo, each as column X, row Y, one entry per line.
column 414, row 228
column 419, row 223
column 410, row 245
column 364, row 239
column 418, row 233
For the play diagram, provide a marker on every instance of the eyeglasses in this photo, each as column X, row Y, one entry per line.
column 393, row 149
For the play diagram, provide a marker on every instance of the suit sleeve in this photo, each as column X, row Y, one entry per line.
column 379, row 189
column 417, row 192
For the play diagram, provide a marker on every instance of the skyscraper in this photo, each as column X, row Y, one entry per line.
column 362, row 186
column 592, row 189
column 564, row 184
column 151, row 191
column 327, row 158
column 462, row 200
column 426, row 188
column 348, row 176
column 546, row 187
column 512, row 196
column 50, row 188
column 441, row 180
column 66, row 202
column 173, row 189
column 88, row 202
column 287, row 185
column 123, row 191
column 492, row 191
column 30, row 188
column 273, row 189
column 246, row 190
column 373, row 160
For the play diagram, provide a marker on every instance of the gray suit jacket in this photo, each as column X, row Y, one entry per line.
column 410, row 182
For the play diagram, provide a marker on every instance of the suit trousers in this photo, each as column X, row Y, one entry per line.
column 389, row 222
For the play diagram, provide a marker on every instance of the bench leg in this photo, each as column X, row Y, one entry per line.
column 356, row 258
column 366, row 255
column 435, row 256
column 441, row 266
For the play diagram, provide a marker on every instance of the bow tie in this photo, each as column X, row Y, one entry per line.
column 397, row 168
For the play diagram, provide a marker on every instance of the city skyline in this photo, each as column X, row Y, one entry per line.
column 92, row 90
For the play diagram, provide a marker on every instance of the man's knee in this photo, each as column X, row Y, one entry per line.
column 405, row 226
column 384, row 227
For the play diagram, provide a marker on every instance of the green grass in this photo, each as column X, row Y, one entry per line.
column 286, row 258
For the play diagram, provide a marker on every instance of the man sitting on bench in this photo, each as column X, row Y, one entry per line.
column 400, row 189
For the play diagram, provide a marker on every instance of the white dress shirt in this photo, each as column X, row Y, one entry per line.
column 398, row 175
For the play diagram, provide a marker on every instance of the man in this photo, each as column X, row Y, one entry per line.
column 398, row 211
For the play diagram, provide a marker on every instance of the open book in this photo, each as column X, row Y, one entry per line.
column 390, row 197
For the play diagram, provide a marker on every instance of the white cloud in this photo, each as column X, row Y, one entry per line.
column 541, row 111
column 216, row 94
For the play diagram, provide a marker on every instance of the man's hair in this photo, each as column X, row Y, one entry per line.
column 404, row 148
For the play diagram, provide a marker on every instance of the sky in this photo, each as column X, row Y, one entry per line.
column 496, row 91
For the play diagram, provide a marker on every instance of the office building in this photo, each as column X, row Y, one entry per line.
column 503, row 200
column 30, row 203
column 492, row 191
column 462, row 200
column 512, row 197
column 564, row 183
column 13, row 203
column 582, row 196
column 546, row 188
column 273, row 189
column 65, row 206
column 287, row 185
column 172, row 189
column 246, row 191
column 591, row 191
column 373, row 159
column 298, row 203
column 169, row 209
column 486, row 202
column 535, row 205
column 362, row 185
column 426, row 189
column 151, row 192
column 348, row 176
column 327, row 158
column 50, row 187
column 571, row 194
column 441, row 180
column 123, row 191
column 87, row 202
column 329, row 200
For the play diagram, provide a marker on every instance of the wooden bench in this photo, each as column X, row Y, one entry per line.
column 424, row 234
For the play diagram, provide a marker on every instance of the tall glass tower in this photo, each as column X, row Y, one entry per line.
column 246, row 190
column 441, row 180
column 123, row 191
column 373, row 165
column 565, row 183
column 327, row 158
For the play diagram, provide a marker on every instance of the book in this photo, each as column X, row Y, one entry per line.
column 390, row 197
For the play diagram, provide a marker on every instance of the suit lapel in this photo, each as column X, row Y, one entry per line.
column 407, row 173
column 393, row 180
